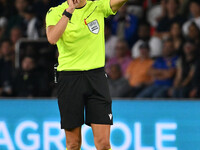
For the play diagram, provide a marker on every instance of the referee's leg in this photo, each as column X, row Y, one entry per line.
column 71, row 106
column 99, row 108
column 73, row 139
column 101, row 136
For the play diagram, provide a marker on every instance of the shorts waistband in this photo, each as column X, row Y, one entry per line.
column 80, row 72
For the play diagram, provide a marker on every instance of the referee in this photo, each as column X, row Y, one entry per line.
column 77, row 27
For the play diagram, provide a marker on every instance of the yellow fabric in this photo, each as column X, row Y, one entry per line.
column 79, row 47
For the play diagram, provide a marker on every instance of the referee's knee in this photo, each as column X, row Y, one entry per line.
column 74, row 145
column 102, row 144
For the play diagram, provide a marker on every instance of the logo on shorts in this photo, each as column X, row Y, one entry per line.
column 106, row 75
column 110, row 116
column 94, row 26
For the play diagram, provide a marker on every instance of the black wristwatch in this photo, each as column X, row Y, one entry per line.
column 67, row 14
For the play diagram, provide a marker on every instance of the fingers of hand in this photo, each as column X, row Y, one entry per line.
column 74, row 1
column 70, row 2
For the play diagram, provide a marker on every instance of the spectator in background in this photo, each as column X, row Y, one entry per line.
column 125, row 25
column 6, row 8
column 3, row 23
column 121, row 57
column 176, row 35
column 6, row 68
column 144, row 36
column 195, row 12
column 30, row 81
column 171, row 16
column 137, row 72
column 156, row 13
column 195, row 91
column 118, row 85
column 186, row 66
column 18, row 18
column 110, row 41
column 32, row 23
column 42, row 6
column 162, row 71
column 15, row 35
column 183, row 9
column 6, row 11
column 194, row 33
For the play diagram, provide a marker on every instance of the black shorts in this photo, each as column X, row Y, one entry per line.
column 84, row 93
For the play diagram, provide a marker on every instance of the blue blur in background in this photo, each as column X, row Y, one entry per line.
column 139, row 125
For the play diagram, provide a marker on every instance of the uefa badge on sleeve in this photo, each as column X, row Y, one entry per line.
column 94, row 27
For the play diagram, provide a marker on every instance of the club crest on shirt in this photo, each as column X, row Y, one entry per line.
column 94, row 27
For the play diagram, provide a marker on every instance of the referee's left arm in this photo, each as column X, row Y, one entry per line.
column 116, row 4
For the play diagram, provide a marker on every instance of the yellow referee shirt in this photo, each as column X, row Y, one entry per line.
column 82, row 45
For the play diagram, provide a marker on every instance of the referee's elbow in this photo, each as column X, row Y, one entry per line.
column 51, row 40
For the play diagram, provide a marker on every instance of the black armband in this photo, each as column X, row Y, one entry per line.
column 67, row 14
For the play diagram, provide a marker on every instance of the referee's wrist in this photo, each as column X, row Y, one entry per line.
column 67, row 14
column 70, row 10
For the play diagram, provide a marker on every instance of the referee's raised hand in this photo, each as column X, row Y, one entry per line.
column 54, row 32
column 72, row 5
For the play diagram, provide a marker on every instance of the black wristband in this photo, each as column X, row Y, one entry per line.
column 67, row 14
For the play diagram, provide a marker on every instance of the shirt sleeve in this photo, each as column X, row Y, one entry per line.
column 107, row 8
column 52, row 17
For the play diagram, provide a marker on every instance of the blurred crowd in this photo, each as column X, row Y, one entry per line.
column 152, row 49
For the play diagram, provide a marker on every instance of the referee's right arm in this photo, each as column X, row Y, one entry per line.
column 54, row 32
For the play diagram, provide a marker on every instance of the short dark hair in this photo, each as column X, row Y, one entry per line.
column 31, row 57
